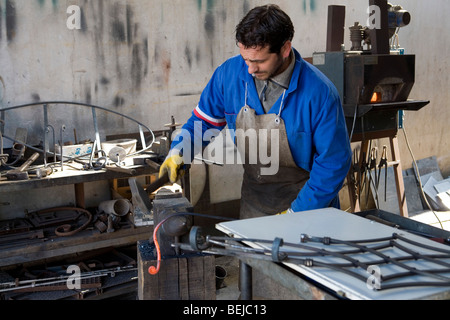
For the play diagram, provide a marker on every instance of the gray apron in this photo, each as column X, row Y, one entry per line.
column 261, row 194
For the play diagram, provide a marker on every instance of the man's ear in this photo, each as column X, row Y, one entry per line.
column 286, row 49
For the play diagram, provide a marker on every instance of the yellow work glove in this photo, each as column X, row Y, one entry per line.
column 288, row 211
column 172, row 166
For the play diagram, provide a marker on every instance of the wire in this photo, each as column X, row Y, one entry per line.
column 416, row 168
column 355, row 114
column 155, row 270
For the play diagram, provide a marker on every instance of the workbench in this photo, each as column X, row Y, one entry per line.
column 34, row 250
column 318, row 282
column 72, row 176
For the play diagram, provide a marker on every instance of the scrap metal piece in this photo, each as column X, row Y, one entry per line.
column 52, row 217
column 19, row 144
column 101, row 226
column 14, row 226
column 142, row 207
column 117, row 154
column 118, row 207
column 56, row 218
column 119, row 169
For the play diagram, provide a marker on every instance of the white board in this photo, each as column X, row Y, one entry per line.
column 340, row 225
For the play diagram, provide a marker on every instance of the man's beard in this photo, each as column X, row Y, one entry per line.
column 283, row 64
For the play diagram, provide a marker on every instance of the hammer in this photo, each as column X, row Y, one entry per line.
column 21, row 173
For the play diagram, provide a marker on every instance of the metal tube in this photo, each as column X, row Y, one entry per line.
column 97, row 133
column 45, row 146
column 245, row 281
column 61, row 143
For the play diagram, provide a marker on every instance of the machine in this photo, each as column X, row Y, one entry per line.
column 374, row 82
column 374, row 79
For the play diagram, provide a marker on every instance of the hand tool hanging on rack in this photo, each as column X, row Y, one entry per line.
column 363, row 179
column 383, row 163
column 355, row 169
column 372, row 165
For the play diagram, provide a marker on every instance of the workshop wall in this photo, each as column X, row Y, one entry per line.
column 150, row 59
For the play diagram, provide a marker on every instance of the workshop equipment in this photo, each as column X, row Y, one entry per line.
column 22, row 173
column 374, row 85
column 165, row 271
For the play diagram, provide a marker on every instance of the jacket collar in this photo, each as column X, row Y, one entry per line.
column 248, row 78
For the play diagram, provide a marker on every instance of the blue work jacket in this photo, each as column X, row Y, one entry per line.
column 313, row 116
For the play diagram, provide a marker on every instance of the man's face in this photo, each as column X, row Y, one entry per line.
column 263, row 64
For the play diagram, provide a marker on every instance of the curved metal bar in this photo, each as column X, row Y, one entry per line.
column 301, row 257
column 386, row 258
column 399, row 237
column 84, row 105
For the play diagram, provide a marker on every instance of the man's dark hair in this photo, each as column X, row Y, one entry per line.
column 265, row 25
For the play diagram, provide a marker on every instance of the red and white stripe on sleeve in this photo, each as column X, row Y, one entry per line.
column 215, row 122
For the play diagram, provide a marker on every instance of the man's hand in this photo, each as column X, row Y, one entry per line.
column 172, row 166
column 288, row 211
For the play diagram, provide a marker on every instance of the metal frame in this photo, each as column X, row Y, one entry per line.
column 351, row 257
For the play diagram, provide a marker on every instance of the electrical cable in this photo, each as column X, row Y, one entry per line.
column 355, row 114
column 354, row 122
column 416, row 168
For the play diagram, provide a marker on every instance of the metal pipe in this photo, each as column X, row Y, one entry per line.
column 245, row 281
column 61, row 144
column 45, row 146
column 97, row 133
column 54, row 141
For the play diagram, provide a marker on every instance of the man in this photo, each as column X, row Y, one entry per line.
column 269, row 88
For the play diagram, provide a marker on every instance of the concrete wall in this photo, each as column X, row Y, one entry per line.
column 150, row 59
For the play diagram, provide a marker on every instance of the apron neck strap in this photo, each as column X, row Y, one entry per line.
column 282, row 99
column 282, row 103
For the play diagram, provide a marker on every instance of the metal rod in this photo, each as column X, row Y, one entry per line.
column 141, row 133
column 97, row 134
column 61, row 144
column 352, row 262
column 45, row 146
column 54, row 141
column 63, row 279
column 245, row 281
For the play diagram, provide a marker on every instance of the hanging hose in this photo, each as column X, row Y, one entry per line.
column 416, row 168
